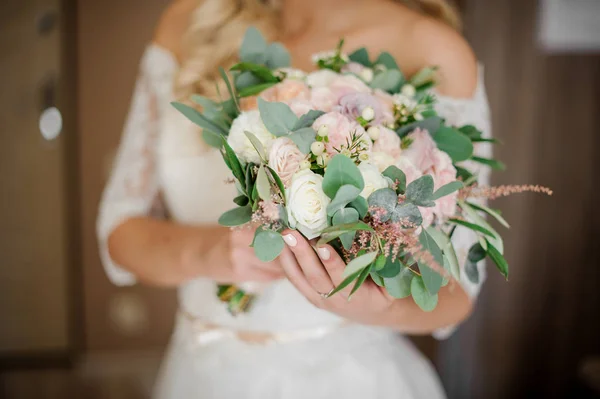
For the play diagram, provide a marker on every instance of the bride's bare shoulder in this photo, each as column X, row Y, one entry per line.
column 173, row 24
column 438, row 44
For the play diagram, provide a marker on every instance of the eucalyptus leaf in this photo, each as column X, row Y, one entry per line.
column 388, row 80
column 422, row 296
column 236, row 216
column 241, row 200
column 458, row 146
column 344, row 195
column 340, row 171
column 229, row 88
column 304, row 138
column 492, row 163
column 359, row 263
column 380, row 263
column 377, row 280
column 397, row 176
column 212, row 139
column 386, row 199
column 262, row 184
column 345, row 216
column 431, row 278
column 360, row 56
column 424, row 76
column 361, row 206
column 407, row 212
column 470, row 131
column 278, row 118
column 268, row 244
column 431, row 124
column 399, row 285
column 197, row 118
column 474, row 217
column 283, row 216
column 254, row 90
column 493, row 213
column 447, row 189
column 391, row 268
column 476, row 253
column 277, row 56
column 261, row 72
column 258, row 146
column 387, row 60
column 360, row 280
column 472, row 226
column 210, row 109
column 498, row 259
column 245, row 80
column 445, row 244
column 307, row 119
column 420, row 191
column 234, row 164
column 254, row 46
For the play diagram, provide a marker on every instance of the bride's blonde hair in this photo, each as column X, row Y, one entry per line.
column 217, row 26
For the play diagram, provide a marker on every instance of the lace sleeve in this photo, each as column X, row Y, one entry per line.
column 133, row 186
column 458, row 112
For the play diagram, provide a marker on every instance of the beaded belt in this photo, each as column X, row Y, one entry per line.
column 207, row 333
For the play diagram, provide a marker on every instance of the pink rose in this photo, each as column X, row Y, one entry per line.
column 387, row 105
column 421, row 150
column 323, row 99
column 410, row 170
column 443, row 173
column 285, row 158
column 287, row 90
column 300, row 107
column 346, row 84
column 388, row 142
column 340, row 131
column 353, row 104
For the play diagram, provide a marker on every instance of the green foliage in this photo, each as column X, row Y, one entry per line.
column 492, row 163
column 278, row 118
column 254, row 47
column 431, row 124
column 458, row 146
column 342, row 217
column 387, row 60
column 431, row 278
column 361, row 206
column 390, row 268
column 498, row 259
column 234, row 163
column 359, row 263
column 422, row 295
column 277, row 56
column 262, row 184
column 334, row 232
column 267, row 244
column 236, row 217
column 420, row 191
column 470, row 131
column 256, row 143
column 397, row 177
column 386, row 199
column 492, row 212
column 388, row 80
column 340, row 171
column 307, row 119
column 360, row 56
column 303, row 138
column 196, row 117
column 360, row 280
column 423, row 77
column 399, row 285
column 232, row 95
column 447, row 189
column 473, row 226
column 445, row 244
column 262, row 73
column 278, row 182
column 345, row 194
column 254, row 90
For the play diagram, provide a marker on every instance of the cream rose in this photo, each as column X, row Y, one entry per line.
column 373, row 179
column 249, row 121
column 285, row 158
column 307, row 204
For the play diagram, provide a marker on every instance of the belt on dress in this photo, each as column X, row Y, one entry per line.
column 207, row 333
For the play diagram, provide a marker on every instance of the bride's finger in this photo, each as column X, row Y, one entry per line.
column 309, row 262
column 294, row 274
column 335, row 266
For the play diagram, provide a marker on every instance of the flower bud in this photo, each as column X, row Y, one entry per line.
column 367, row 74
column 408, row 90
column 418, row 116
column 368, row 113
column 346, row 152
column 323, row 131
column 363, row 157
column 373, row 132
column 305, row 164
column 323, row 160
column 317, row 148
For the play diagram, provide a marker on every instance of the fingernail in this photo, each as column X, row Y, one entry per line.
column 323, row 253
column 290, row 240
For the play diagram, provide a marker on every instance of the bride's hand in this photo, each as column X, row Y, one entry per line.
column 234, row 261
column 316, row 275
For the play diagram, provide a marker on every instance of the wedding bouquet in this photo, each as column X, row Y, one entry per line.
column 355, row 155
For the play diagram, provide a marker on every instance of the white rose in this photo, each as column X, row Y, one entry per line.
column 321, row 78
column 382, row 160
column 307, row 204
column 249, row 121
column 373, row 179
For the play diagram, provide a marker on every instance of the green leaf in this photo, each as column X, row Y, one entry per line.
column 445, row 244
column 268, row 244
column 236, row 216
column 283, row 216
column 244, row 80
column 397, row 177
column 498, row 259
column 344, row 195
column 344, row 283
column 262, row 184
column 212, row 139
column 464, row 174
column 391, row 268
column 277, row 117
column 493, row 213
column 409, row 212
column 361, row 56
column 241, row 200
column 359, row 263
column 210, row 109
column 358, row 226
column 346, row 216
column 234, row 164
column 229, row 88
column 492, row 163
column 304, row 138
column 486, row 140
column 250, row 179
column 254, row 46
column 474, row 217
column 422, row 296
column 278, row 181
column 196, row 117
column 261, row 72
column 278, row 56
column 388, row 61
column 377, row 280
column 380, row 263
column 431, row 278
column 476, row 253
column 472, row 272
column 388, row 80
column 254, row 90
column 419, row 191
column 447, row 189
column 431, row 124
column 399, row 285
column 361, row 205
column 470, row 131
column 340, row 171
column 472, row 226
column 260, row 149
column 360, row 280
column 386, row 199
column 424, row 76
column 458, row 146
column 307, row 119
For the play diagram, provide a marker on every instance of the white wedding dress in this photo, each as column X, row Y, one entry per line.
column 317, row 358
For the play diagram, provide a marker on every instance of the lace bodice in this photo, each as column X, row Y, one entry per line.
column 162, row 165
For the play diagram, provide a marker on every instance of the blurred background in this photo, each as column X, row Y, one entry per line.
column 67, row 69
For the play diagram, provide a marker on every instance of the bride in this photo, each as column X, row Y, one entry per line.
column 293, row 343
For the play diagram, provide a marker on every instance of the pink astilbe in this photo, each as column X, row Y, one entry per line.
column 501, row 191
